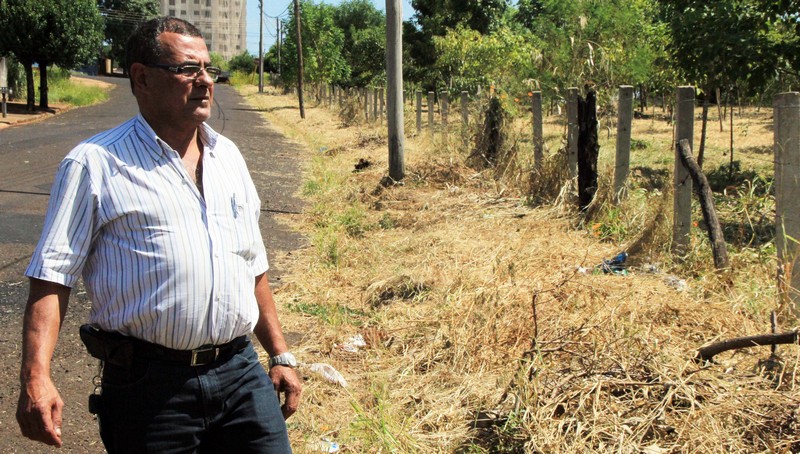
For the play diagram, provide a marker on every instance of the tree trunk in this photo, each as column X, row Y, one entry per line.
column 719, row 110
column 43, row 101
column 30, row 104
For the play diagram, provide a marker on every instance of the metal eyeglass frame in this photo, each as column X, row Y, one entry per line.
column 193, row 70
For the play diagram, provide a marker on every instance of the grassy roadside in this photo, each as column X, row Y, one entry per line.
column 77, row 91
column 483, row 334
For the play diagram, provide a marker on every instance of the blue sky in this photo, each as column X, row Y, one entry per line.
column 274, row 8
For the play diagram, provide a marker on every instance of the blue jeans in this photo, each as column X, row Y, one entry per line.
column 161, row 407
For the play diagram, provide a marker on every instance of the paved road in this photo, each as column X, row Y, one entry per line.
column 29, row 156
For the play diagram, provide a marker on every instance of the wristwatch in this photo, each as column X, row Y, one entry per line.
column 284, row 359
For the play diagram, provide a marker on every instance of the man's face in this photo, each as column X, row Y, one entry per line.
column 181, row 99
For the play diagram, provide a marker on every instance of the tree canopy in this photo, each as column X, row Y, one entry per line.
column 67, row 33
column 121, row 18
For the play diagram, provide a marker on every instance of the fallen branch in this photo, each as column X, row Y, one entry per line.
column 707, row 353
column 707, row 204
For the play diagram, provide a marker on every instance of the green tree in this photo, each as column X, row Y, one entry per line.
column 121, row 18
column 721, row 45
column 602, row 43
column 433, row 18
column 467, row 59
column 364, row 29
column 66, row 33
column 243, row 62
column 322, row 44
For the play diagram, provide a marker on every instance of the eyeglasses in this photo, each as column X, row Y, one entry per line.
column 190, row 71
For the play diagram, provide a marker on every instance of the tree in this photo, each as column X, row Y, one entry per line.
column 601, row 43
column 243, row 62
column 21, row 21
column 528, row 11
column 67, row 33
column 364, row 29
column 121, row 19
column 322, row 42
column 433, row 18
column 721, row 45
column 468, row 59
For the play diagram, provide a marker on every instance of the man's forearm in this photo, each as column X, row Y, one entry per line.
column 268, row 329
column 47, row 306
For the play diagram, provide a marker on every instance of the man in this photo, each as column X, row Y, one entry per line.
column 160, row 217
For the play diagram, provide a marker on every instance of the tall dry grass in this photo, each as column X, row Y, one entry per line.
column 487, row 326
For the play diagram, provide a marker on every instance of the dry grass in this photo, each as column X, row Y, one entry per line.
column 482, row 334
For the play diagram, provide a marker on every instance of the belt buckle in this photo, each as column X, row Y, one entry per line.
column 198, row 356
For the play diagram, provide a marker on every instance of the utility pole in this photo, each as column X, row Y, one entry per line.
column 394, row 92
column 278, row 28
column 298, row 26
column 261, row 46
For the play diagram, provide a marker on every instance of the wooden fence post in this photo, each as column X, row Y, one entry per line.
column 624, row 124
column 787, row 195
column 682, row 201
column 538, row 138
column 430, row 112
column 419, row 111
column 572, row 130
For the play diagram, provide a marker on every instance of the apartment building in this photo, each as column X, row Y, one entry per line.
column 223, row 22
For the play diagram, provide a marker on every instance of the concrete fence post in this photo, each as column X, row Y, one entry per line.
column 374, row 104
column 419, row 110
column 366, row 92
column 682, row 201
column 431, row 98
column 382, row 103
column 787, row 195
column 572, row 130
column 624, row 124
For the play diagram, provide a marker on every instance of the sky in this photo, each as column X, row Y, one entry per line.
column 273, row 8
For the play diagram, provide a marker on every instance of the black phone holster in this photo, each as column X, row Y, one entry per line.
column 108, row 347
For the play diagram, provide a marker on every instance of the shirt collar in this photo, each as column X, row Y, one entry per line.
column 155, row 146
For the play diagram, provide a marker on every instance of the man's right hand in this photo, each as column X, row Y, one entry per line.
column 39, row 411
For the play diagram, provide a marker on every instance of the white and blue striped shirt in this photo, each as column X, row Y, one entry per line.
column 160, row 262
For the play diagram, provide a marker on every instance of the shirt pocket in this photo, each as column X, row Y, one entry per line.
column 240, row 225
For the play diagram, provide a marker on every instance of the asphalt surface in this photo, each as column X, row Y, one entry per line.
column 29, row 156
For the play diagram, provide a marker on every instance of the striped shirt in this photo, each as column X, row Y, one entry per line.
column 160, row 262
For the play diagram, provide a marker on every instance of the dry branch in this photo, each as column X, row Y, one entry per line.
column 707, row 204
column 707, row 353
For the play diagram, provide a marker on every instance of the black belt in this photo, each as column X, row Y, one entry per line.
column 200, row 356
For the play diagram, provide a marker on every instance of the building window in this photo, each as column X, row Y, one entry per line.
column 208, row 3
column 183, row 13
column 208, row 14
column 197, row 13
column 172, row 12
column 171, row 2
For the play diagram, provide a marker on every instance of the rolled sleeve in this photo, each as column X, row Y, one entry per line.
column 68, row 227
